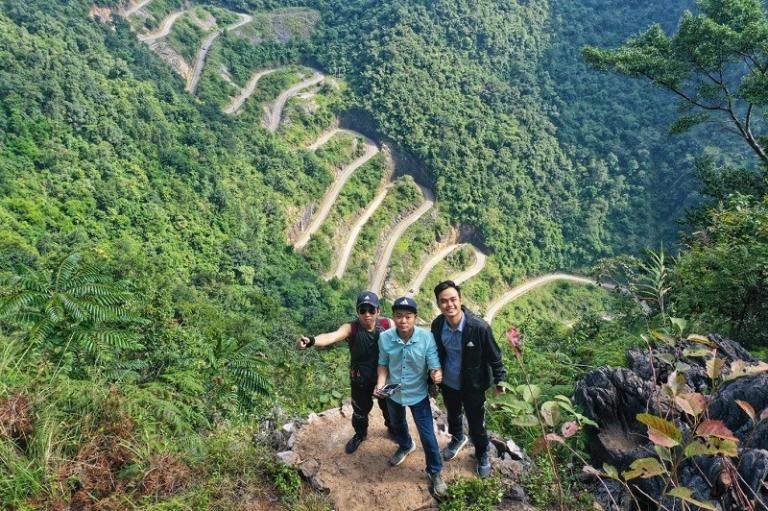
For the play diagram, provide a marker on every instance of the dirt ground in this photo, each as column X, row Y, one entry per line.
column 364, row 480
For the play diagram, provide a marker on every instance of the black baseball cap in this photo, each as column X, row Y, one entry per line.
column 369, row 298
column 405, row 303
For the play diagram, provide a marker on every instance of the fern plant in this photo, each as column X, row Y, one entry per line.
column 74, row 313
column 240, row 369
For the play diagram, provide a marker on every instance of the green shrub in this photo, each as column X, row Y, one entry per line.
column 473, row 494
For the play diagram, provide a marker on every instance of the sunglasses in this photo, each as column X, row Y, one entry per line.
column 366, row 309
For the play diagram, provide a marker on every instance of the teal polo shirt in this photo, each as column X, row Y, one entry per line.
column 408, row 363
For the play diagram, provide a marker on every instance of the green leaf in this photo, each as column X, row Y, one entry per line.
column 679, row 323
column 686, row 122
column 715, row 428
column 667, row 358
column 715, row 367
column 692, row 403
column 661, row 431
column 739, row 369
column 712, row 446
column 664, row 453
column 676, row 383
column 686, row 494
column 517, row 406
column 525, row 421
column 585, row 420
column 644, row 468
column 611, row 471
column 697, row 352
column 550, row 412
column 530, row 392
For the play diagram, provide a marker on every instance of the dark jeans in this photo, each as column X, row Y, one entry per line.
column 362, row 404
column 422, row 416
column 473, row 403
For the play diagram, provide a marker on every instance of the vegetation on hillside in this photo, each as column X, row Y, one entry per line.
column 149, row 302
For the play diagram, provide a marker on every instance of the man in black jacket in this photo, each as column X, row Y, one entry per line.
column 470, row 358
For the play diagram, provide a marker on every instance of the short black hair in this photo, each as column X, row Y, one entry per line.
column 446, row 284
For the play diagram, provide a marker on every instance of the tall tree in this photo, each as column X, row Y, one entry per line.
column 717, row 63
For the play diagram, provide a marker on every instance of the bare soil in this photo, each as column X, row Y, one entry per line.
column 364, row 480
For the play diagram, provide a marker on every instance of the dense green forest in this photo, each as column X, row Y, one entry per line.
column 150, row 300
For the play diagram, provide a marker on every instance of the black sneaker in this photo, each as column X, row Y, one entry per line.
column 453, row 447
column 353, row 443
column 400, row 454
column 484, row 466
column 439, row 488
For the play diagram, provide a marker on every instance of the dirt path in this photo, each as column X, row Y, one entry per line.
column 163, row 30
column 418, row 280
column 205, row 46
column 325, row 137
column 341, row 266
column 246, row 92
column 364, row 481
column 380, row 271
column 135, row 7
column 473, row 270
column 528, row 285
column 371, row 149
column 275, row 113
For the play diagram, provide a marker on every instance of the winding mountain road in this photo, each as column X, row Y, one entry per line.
column 246, row 92
column 135, row 7
column 205, row 47
column 473, row 270
column 529, row 285
column 419, row 279
column 275, row 113
column 163, row 30
column 380, row 271
column 341, row 266
column 371, row 149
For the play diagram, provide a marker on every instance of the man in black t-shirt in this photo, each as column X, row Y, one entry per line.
column 362, row 335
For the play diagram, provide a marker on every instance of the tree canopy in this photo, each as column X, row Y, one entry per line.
column 716, row 62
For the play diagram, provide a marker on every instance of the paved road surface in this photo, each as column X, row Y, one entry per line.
column 275, row 113
column 473, row 270
column 246, row 92
column 380, row 271
column 163, row 30
column 135, row 7
column 528, row 285
column 332, row 194
column 418, row 280
column 341, row 266
column 202, row 53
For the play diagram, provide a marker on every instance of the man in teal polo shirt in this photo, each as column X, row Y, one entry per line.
column 406, row 354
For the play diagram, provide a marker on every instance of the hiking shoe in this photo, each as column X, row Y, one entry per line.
column 439, row 488
column 453, row 447
column 484, row 466
column 400, row 454
column 353, row 443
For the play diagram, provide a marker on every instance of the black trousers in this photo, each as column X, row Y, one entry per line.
column 362, row 404
column 472, row 403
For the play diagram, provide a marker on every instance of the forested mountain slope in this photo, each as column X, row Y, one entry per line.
column 186, row 208
column 553, row 163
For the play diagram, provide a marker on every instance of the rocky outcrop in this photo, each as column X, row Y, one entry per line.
column 613, row 397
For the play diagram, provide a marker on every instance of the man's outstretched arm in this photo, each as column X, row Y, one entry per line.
column 326, row 339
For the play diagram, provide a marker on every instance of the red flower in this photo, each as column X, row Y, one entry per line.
column 514, row 341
